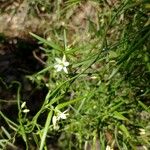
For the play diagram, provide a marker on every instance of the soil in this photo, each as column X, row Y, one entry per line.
column 16, row 62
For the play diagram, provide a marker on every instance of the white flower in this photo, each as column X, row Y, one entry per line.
column 23, row 105
column 142, row 131
column 54, row 121
column 144, row 147
column 63, row 115
column 108, row 148
column 25, row 110
column 61, row 64
column 93, row 77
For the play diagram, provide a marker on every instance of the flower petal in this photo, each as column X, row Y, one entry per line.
column 58, row 60
column 62, row 115
column 23, row 105
column 65, row 70
column 64, row 58
column 58, row 67
column 25, row 110
column 66, row 63
column 54, row 120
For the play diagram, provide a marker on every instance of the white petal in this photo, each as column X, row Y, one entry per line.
column 65, row 70
column 54, row 120
column 66, row 63
column 144, row 147
column 62, row 116
column 25, row 110
column 142, row 131
column 109, row 148
column 64, row 58
column 58, row 60
column 23, row 104
column 58, row 67
column 56, row 127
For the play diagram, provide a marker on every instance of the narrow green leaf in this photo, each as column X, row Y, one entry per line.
column 6, row 132
column 54, row 100
column 62, row 105
column 114, row 72
column 49, row 43
column 125, row 131
column 119, row 116
column 47, row 124
column 144, row 106
column 12, row 125
column 113, row 108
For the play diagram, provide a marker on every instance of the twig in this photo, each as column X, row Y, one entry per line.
column 39, row 59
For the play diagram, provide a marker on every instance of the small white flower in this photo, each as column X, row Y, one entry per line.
column 144, row 147
column 23, row 105
column 60, row 115
column 93, row 77
column 61, row 64
column 108, row 148
column 54, row 121
column 142, row 131
column 25, row 110
column 63, row 115
column 42, row 8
